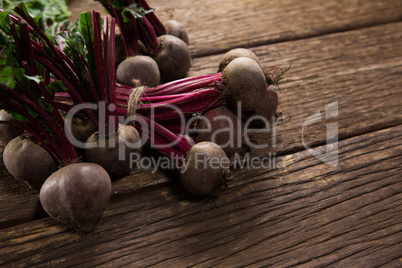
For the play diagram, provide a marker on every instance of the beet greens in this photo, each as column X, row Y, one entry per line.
column 33, row 69
column 26, row 92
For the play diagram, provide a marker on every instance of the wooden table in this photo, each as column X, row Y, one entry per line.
column 306, row 213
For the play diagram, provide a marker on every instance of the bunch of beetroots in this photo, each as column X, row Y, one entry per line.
column 209, row 109
column 195, row 121
column 147, row 51
column 205, row 108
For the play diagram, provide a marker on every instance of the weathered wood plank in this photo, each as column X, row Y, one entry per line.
column 215, row 26
column 360, row 69
column 307, row 214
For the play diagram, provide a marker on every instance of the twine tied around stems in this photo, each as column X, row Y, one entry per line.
column 134, row 100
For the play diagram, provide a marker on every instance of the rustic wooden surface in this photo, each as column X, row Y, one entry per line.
column 305, row 213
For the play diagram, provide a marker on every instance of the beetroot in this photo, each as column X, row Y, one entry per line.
column 175, row 28
column 233, row 54
column 7, row 132
column 28, row 161
column 267, row 110
column 138, row 22
column 106, row 151
column 172, row 57
column 244, row 82
column 81, row 126
column 76, row 195
column 205, row 169
column 270, row 104
column 138, row 70
column 221, row 126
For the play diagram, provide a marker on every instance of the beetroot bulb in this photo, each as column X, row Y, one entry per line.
column 138, row 70
column 204, row 166
column 205, row 169
column 28, row 161
column 106, row 150
column 81, row 126
column 76, row 195
column 221, row 126
column 268, row 110
column 233, row 54
column 244, row 82
column 172, row 57
column 175, row 28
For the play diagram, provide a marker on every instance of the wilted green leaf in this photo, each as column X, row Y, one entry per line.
column 36, row 78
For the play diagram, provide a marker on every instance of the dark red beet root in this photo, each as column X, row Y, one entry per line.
column 28, row 161
column 267, row 110
column 173, row 58
column 138, row 70
column 106, row 151
column 225, row 127
column 244, row 82
column 205, row 169
column 82, row 127
column 175, row 28
column 233, row 54
column 76, row 195
column 270, row 104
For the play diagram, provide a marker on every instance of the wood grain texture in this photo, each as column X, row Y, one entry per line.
column 215, row 26
column 308, row 214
